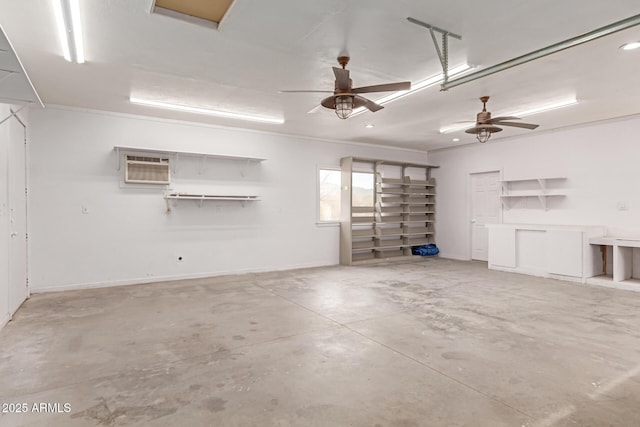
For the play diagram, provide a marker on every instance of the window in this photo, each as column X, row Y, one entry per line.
column 362, row 189
column 329, row 191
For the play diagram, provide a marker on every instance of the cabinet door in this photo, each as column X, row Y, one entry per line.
column 564, row 252
column 502, row 247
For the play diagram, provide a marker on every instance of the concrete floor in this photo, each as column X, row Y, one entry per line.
column 429, row 343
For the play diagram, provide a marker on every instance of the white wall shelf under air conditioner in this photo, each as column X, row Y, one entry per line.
column 208, row 197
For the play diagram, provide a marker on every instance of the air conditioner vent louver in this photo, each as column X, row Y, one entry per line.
column 147, row 170
column 147, row 159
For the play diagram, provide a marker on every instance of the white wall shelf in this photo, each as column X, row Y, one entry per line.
column 523, row 190
column 208, row 197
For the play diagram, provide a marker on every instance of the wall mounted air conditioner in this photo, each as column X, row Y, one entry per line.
column 146, row 170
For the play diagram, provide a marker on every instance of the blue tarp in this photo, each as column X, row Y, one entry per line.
column 425, row 250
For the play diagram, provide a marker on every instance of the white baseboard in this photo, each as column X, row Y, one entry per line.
column 154, row 279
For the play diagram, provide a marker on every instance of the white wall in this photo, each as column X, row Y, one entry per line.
column 127, row 236
column 600, row 160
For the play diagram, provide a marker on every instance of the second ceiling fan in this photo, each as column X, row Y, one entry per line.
column 346, row 98
column 485, row 125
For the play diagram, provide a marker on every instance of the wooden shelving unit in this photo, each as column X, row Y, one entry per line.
column 402, row 215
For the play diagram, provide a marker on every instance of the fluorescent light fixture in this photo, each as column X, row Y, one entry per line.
column 630, row 46
column 369, row 126
column 455, row 128
column 67, row 13
column 543, row 108
column 197, row 110
column 456, row 139
column 416, row 87
column 547, row 107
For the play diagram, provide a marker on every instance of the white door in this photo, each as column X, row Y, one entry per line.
column 17, row 215
column 4, row 222
column 485, row 209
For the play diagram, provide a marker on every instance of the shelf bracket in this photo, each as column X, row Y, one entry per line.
column 118, row 159
column 174, row 167
column 246, row 166
column 543, row 201
column 202, row 165
column 443, row 54
column 543, row 184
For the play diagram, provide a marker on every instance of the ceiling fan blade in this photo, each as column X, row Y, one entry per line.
column 373, row 107
column 473, row 130
column 497, row 119
column 518, row 125
column 342, row 78
column 388, row 87
column 369, row 104
column 305, row 91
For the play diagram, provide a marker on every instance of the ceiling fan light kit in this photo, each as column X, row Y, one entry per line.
column 344, row 106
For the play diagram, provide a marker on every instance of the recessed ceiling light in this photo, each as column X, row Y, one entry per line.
column 630, row 46
column 456, row 139
column 198, row 110
column 369, row 126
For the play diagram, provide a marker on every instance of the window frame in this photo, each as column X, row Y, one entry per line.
column 319, row 221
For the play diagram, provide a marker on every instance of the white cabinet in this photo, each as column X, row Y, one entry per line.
column 502, row 247
column 558, row 251
column 564, row 252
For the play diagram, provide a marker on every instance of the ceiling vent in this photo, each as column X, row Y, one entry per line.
column 146, row 170
column 208, row 13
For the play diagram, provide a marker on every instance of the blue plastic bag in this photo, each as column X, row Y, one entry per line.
column 425, row 250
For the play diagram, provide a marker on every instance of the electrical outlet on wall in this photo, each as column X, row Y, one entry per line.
column 622, row 206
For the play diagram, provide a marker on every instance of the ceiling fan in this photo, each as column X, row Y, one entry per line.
column 346, row 98
column 485, row 125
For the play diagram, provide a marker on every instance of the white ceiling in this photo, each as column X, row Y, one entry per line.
column 264, row 46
